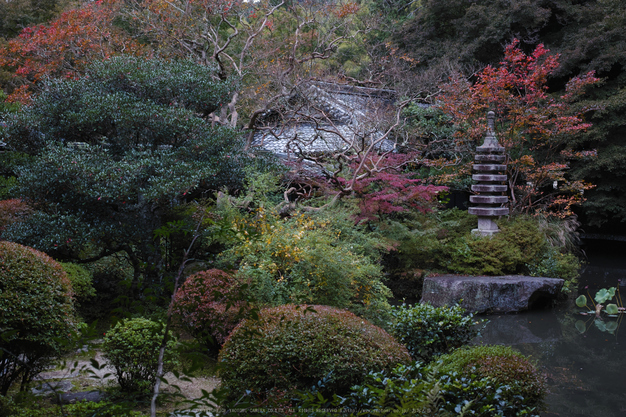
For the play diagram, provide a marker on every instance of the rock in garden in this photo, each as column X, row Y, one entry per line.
column 503, row 294
column 53, row 387
column 74, row 397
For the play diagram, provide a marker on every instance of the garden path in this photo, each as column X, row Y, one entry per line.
column 78, row 374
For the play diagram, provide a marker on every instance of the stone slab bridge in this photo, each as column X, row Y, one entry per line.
column 482, row 294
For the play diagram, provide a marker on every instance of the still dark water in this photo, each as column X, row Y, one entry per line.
column 586, row 367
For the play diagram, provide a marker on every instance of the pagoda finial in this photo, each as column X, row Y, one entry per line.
column 491, row 122
column 491, row 144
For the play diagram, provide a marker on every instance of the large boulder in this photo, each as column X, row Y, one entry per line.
column 503, row 294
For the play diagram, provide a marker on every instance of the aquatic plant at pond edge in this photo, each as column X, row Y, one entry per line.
column 600, row 306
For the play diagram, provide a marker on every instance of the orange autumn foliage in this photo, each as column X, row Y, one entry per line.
column 65, row 46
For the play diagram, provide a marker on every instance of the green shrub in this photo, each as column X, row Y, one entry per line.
column 290, row 347
column 477, row 255
column 36, row 312
column 132, row 349
column 554, row 264
column 422, row 238
column 429, row 331
column 7, row 187
column 519, row 242
column 81, row 279
column 111, row 279
column 7, row 406
column 422, row 391
column 502, row 364
column 523, row 232
column 209, row 305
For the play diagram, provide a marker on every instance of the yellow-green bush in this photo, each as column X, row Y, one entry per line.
column 307, row 259
column 519, row 243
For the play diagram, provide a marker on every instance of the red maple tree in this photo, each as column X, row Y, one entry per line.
column 535, row 127
column 390, row 188
column 65, row 46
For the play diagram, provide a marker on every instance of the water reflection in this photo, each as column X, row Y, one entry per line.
column 586, row 371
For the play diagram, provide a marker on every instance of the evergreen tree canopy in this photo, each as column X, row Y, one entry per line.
column 113, row 151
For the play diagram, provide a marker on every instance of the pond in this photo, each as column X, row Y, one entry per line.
column 585, row 366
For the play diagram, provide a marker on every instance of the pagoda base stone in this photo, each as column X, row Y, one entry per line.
column 485, row 232
column 486, row 227
column 481, row 294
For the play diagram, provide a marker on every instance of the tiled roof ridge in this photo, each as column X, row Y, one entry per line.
column 356, row 90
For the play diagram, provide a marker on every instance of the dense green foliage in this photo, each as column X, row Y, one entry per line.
column 442, row 241
column 424, row 391
column 293, row 347
column 36, row 312
column 502, row 364
column 428, row 332
column 209, row 305
column 80, row 409
column 112, row 277
column 472, row 33
column 422, row 239
column 18, row 14
column 81, row 280
column 132, row 349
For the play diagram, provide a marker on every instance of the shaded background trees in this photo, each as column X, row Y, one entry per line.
column 466, row 36
column 15, row 15
column 274, row 48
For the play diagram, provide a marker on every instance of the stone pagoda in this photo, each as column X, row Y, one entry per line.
column 491, row 182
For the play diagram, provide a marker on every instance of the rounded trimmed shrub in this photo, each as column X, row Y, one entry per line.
column 131, row 348
column 429, row 331
column 501, row 364
column 36, row 312
column 292, row 347
column 209, row 305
